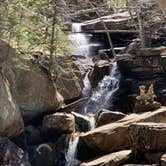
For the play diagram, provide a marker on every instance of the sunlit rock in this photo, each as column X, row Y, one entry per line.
column 11, row 123
column 145, row 101
column 114, row 137
column 59, row 123
column 147, row 140
column 113, row 159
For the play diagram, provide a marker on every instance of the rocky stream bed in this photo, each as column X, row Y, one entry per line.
column 90, row 115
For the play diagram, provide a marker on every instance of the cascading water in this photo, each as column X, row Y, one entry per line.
column 80, row 46
column 72, row 151
column 87, row 86
column 101, row 96
column 80, row 42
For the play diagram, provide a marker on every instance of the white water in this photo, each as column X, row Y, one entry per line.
column 87, row 85
column 80, row 46
column 72, row 152
column 92, row 121
column 101, row 96
column 79, row 41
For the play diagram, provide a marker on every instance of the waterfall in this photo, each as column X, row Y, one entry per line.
column 101, row 96
column 81, row 47
column 87, row 85
column 72, row 152
column 92, row 121
column 79, row 41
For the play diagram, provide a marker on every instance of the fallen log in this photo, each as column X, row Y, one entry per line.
column 111, row 31
column 73, row 106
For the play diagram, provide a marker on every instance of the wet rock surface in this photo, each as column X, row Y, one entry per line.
column 98, row 140
column 101, row 68
column 105, row 117
column 82, row 122
column 114, row 159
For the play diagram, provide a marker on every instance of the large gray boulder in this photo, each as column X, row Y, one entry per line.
column 31, row 87
column 106, row 117
column 69, row 82
column 33, row 91
column 113, row 159
column 11, row 123
column 59, row 122
column 147, row 137
column 115, row 136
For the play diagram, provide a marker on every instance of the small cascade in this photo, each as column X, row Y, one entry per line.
column 101, row 96
column 87, row 85
column 72, row 152
column 80, row 42
column 81, row 47
column 92, row 121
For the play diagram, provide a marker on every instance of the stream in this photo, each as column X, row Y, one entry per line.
column 100, row 97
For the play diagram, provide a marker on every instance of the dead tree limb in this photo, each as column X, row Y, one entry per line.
column 105, row 27
column 73, row 106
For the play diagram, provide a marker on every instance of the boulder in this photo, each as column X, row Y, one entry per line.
column 10, row 154
column 33, row 91
column 113, row 159
column 163, row 160
column 141, row 135
column 30, row 86
column 11, row 123
column 114, row 137
column 146, row 105
column 106, row 117
column 70, row 80
column 59, row 123
column 101, row 69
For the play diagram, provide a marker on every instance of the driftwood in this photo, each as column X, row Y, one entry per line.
column 111, row 31
column 72, row 106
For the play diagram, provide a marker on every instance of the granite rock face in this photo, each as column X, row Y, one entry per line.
column 106, row 117
column 59, row 122
column 11, row 123
column 115, row 136
column 113, row 159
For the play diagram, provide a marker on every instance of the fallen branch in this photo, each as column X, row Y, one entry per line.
column 73, row 106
